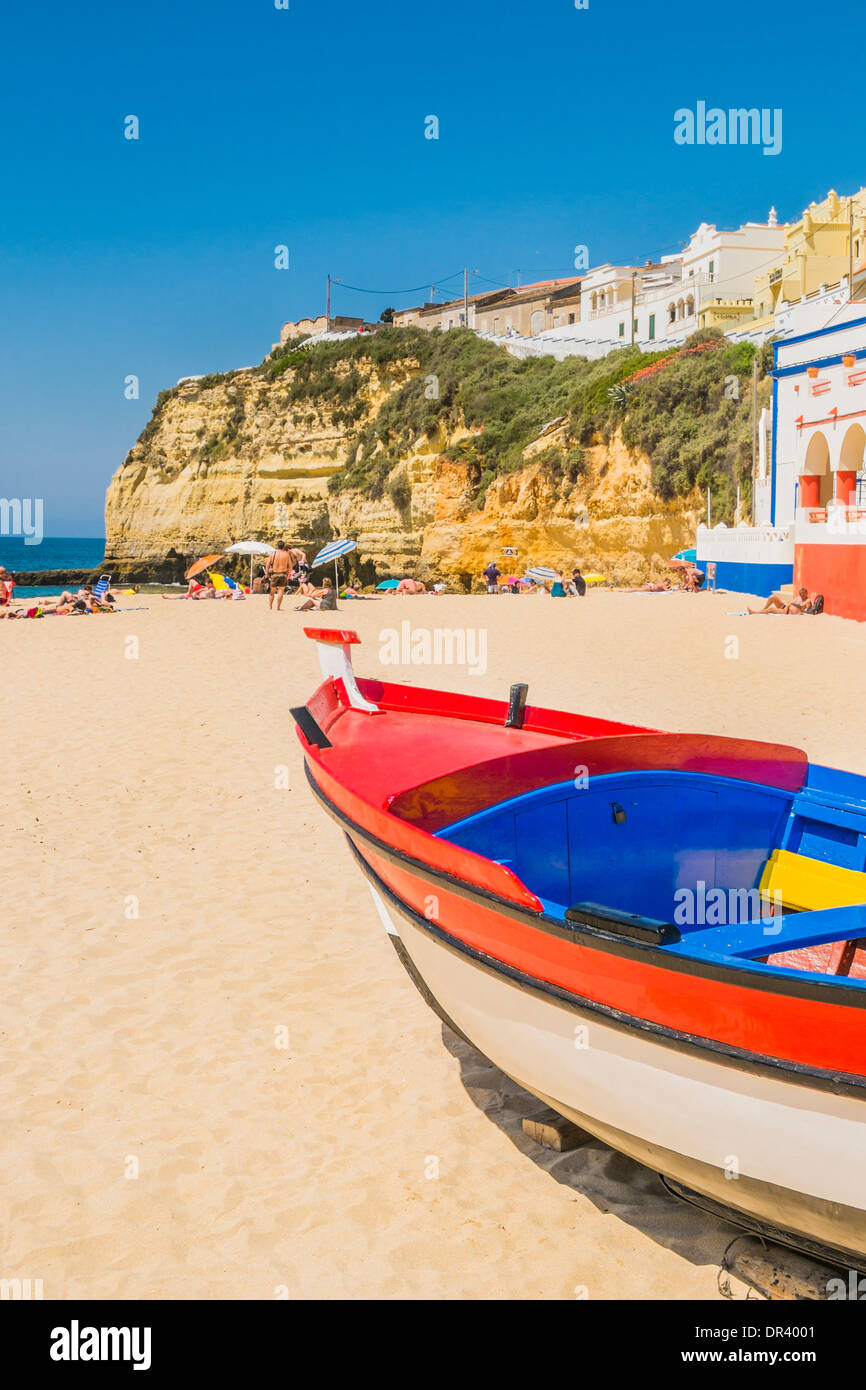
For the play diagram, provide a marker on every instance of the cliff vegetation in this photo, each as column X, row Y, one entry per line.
column 432, row 448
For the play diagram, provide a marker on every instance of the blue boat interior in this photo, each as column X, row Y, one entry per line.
column 687, row 849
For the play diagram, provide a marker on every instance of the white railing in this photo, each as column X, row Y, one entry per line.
column 752, row 544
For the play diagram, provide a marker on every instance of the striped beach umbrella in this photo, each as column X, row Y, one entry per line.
column 541, row 573
column 332, row 551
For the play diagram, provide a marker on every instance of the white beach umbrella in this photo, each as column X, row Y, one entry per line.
column 250, row 548
column 332, row 551
column 540, row 572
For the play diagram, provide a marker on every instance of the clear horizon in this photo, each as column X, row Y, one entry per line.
column 305, row 127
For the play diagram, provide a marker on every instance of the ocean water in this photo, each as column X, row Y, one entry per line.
column 53, row 553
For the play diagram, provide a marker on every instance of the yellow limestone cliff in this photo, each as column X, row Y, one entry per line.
column 236, row 458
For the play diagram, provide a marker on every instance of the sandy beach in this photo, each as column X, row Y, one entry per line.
column 175, row 913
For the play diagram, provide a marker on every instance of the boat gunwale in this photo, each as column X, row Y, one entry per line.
column 741, row 971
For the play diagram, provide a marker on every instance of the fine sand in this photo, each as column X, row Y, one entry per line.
column 170, row 905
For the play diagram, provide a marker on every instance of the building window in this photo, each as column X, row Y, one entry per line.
column 652, row 326
column 622, row 330
column 571, row 318
column 635, row 325
column 496, row 325
column 712, row 269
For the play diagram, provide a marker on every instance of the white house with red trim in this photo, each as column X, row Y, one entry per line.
column 818, row 482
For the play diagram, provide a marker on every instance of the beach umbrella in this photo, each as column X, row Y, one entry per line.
column 250, row 548
column 332, row 551
column 389, row 584
column 595, row 578
column 541, row 572
column 689, row 556
column 199, row 565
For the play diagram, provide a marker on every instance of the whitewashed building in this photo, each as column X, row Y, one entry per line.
column 810, row 492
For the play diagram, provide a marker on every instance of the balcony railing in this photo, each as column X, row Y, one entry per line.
column 622, row 306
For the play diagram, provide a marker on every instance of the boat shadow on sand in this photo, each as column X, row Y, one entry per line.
column 615, row 1184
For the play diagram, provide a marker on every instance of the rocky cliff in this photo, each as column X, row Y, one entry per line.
column 250, row 456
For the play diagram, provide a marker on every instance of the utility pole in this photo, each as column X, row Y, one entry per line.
column 850, row 248
column 633, row 274
column 466, row 298
column 432, row 292
column 328, row 310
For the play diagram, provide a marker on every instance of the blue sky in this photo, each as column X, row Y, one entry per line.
column 305, row 126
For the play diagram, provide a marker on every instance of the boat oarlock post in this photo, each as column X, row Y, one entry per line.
column 335, row 662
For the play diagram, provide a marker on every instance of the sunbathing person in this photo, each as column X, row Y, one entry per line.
column 201, row 591
column 801, row 603
column 324, row 599
column 663, row 588
column 411, row 586
column 91, row 600
column 10, row 613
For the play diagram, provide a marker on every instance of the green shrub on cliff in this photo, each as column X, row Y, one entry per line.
column 400, row 490
column 466, row 381
column 155, row 420
column 693, row 421
column 689, row 411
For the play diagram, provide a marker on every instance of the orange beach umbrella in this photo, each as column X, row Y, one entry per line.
column 199, row 565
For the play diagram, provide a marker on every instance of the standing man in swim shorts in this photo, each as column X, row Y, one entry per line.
column 277, row 568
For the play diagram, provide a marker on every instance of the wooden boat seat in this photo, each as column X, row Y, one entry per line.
column 803, row 884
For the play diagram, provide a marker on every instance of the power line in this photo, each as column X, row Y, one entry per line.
column 413, row 289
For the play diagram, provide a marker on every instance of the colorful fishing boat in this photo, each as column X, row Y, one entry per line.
column 659, row 935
